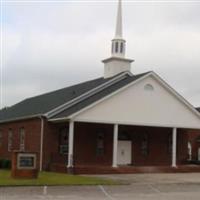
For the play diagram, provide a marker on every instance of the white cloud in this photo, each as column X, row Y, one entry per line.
column 49, row 46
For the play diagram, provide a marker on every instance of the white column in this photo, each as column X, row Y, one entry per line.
column 174, row 141
column 115, row 143
column 71, row 144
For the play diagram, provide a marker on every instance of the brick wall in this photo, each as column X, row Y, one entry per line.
column 85, row 144
column 32, row 129
column 158, row 145
column 194, row 136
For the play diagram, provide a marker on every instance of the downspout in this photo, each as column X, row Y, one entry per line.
column 41, row 142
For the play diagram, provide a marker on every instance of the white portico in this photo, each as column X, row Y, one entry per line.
column 146, row 102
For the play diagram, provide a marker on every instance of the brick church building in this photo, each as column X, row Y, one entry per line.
column 121, row 122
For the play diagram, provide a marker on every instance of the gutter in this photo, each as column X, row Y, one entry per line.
column 21, row 118
column 41, row 142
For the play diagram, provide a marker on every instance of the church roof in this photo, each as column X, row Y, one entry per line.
column 198, row 109
column 74, row 97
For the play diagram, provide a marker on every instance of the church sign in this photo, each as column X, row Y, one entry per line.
column 24, row 165
column 26, row 161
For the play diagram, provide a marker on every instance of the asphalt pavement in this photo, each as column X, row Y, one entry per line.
column 140, row 187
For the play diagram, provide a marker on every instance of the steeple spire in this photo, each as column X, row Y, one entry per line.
column 118, row 33
column 118, row 43
column 117, row 63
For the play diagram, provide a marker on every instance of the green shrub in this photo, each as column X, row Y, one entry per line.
column 5, row 164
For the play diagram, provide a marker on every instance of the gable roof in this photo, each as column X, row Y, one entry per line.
column 131, row 105
column 43, row 104
column 99, row 95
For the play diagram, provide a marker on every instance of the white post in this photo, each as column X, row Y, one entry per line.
column 174, row 141
column 115, row 143
column 41, row 143
column 71, row 144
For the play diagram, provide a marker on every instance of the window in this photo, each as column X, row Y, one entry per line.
column 189, row 151
column 148, row 87
column 116, row 47
column 100, row 143
column 121, row 47
column 63, row 141
column 145, row 145
column 170, row 143
column 1, row 138
column 22, row 139
column 124, row 135
column 10, row 137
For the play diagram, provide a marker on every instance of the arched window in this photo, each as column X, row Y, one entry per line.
column 148, row 87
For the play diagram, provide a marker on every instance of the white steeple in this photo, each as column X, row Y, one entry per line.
column 117, row 63
column 118, row 43
column 118, row 33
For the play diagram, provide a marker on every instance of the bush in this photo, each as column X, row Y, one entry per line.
column 5, row 164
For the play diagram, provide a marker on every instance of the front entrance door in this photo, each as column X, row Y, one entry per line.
column 124, row 153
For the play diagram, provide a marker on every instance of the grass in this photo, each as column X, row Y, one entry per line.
column 53, row 179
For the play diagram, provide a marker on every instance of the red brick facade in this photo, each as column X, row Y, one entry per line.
column 85, row 143
column 32, row 129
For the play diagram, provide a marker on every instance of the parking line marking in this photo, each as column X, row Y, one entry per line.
column 154, row 189
column 45, row 190
column 105, row 193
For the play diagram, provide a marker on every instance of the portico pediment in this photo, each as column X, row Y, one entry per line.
column 149, row 101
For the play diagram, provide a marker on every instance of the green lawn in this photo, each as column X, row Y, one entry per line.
column 51, row 178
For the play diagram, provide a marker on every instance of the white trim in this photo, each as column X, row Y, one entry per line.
column 174, row 147
column 86, row 95
column 115, row 145
column 124, row 123
column 41, row 143
column 71, row 144
column 136, row 124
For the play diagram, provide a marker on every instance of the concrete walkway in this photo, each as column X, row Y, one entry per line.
column 142, row 187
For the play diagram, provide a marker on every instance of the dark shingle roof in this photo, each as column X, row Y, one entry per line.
column 43, row 103
column 77, row 107
column 39, row 105
column 198, row 109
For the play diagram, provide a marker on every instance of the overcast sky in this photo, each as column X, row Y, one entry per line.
column 49, row 45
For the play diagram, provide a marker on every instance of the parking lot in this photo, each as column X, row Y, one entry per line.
column 140, row 187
